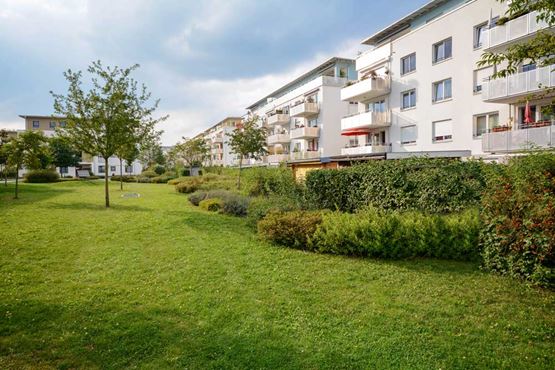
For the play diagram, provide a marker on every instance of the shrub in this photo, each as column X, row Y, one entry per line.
column 149, row 174
column 92, row 177
column 417, row 184
column 124, row 178
column 395, row 235
column 143, row 179
column 260, row 207
column 188, row 186
column 290, row 229
column 41, row 176
column 270, row 181
column 178, row 180
column 158, row 169
column 236, row 205
column 196, row 197
column 518, row 215
column 212, row 205
column 163, row 179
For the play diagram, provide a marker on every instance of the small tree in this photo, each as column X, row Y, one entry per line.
column 63, row 153
column 4, row 139
column 111, row 115
column 28, row 149
column 192, row 152
column 248, row 141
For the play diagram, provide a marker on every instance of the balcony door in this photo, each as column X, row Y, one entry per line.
column 376, row 138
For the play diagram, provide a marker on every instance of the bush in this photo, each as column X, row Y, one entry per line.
column 417, row 184
column 236, row 205
column 212, row 205
column 290, row 229
column 188, row 186
column 518, row 215
column 143, row 179
column 41, row 176
column 158, row 169
column 163, row 179
column 92, row 177
column 178, row 180
column 149, row 174
column 196, row 197
column 124, row 178
column 270, row 181
column 396, row 235
column 260, row 207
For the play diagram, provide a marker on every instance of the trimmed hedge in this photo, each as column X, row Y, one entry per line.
column 124, row 178
column 41, row 176
column 518, row 215
column 290, row 229
column 418, row 184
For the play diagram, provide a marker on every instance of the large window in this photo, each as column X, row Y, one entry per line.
column 100, row 169
column 52, row 124
column 442, row 130
column 442, row 50
column 484, row 123
column 408, row 99
column 408, row 134
column 479, row 34
column 36, row 124
column 113, row 168
column 441, row 90
column 377, row 106
column 408, row 64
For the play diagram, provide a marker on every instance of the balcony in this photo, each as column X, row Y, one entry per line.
column 366, row 149
column 277, row 158
column 307, row 154
column 218, row 139
column 305, row 109
column 539, row 135
column 508, row 89
column 305, row 133
column 519, row 29
column 366, row 89
column 278, row 119
column 366, row 120
column 278, row 139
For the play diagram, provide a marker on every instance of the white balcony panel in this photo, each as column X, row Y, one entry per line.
column 518, row 140
column 365, row 89
column 278, row 139
column 373, row 57
column 516, row 29
column 304, row 110
column 305, row 155
column 366, row 120
column 305, row 133
column 367, row 149
column 278, row 119
column 277, row 158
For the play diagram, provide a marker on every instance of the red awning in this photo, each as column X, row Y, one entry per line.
column 356, row 132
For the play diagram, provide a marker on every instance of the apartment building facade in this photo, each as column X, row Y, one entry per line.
column 420, row 91
column 303, row 116
column 96, row 165
column 217, row 139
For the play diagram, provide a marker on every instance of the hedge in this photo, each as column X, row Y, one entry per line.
column 41, row 176
column 290, row 229
column 123, row 178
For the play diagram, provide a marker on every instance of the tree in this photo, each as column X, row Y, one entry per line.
column 4, row 139
column 63, row 153
column 28, row 149
column 113, row 114
column 540, row 49
column 248, row 141
column 192, row 151
column 151, row 152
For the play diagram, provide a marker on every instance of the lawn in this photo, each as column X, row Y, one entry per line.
column 156, row 283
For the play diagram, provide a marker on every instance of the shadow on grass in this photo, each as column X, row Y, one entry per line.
column 35, row 334
column 79, row 206
column 29, row 193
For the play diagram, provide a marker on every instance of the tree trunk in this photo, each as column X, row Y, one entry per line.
column 120, row 174
column 61, row 176
column 106, row 186
column 240, row 169
column 16, row 182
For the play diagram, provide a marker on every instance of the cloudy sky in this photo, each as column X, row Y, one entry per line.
column 204, row 59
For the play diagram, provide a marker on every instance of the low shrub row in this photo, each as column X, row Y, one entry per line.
column 259, row 207
column 374, row 233
column 123, row 178
column 227, row 202
column 41, row 176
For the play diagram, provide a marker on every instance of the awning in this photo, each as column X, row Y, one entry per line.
column 355, row 132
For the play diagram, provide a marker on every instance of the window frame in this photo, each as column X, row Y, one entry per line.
column 101, row 168
column 477, row 42
column 446, row 139
column 413, row 142
column 403, row 72
column 37, row 124
column 436, row 83
column 436, row 61
column 52, row 124
column 488, row 116
column 403, row 108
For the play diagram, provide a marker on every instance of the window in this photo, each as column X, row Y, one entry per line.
column 64, row 170
column 353, row 141
column 442, row 130
column 100, row 169
column 408, row 134
column 479, row 34
column 52, row 124
column 63, row 124
column 528, row 67
column 129, row 169
column 408, row 99
column 408, row 64
column 113, row 168
column 479, row 76
column 484, row 123
column 441, row 90
column 442, row 50
column 377, row 106
column 36, row 124
column 522, row 114
column 342, row 72
column 313, row 122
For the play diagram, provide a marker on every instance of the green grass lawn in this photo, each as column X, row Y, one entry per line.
column 156, row 283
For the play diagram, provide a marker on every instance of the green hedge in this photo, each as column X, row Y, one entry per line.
column 259, row 207
column 420, row 184
column 231, row 203
column 41, row 176
column 123, row 178
column 518, row 214
column 290, row 229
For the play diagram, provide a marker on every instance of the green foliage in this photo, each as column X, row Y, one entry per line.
column 518, row 214
column 290, row 229
column 422, row 184
column 259, row 207
column 159, row 169
column 63, row 153
column 123, row 178
column 41, row 176
column 149, row 174
column 395, row 235
column 196, row 197
column 236, row 205
column 212, row 204
column 192, row 152
column 163, row 179
column 264, row 181
column 188, row 186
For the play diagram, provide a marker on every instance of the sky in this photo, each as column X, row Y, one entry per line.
column 205, row 60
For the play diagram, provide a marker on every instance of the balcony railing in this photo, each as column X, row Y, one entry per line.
column 366, row 149
column 278, row 139
column 366, row 120
column 537, row 136
column 277, row 158
column 306, row 154
column 304, row 109
column 305, row 133
column 518, row 84
column 278, row 119
column 513, row 30
column 218, row 139
column 368, row 88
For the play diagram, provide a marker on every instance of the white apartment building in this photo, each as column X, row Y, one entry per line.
column 47, row 125
column 420, row 92
column 303, row 117
column 217, row 138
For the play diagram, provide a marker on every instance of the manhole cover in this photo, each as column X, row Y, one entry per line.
column 131, row 195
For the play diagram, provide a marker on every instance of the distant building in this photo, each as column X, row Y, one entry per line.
column 217, row 138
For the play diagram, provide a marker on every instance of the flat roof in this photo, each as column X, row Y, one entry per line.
column 321, row 68
column 402, row 23
column 39, row 116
